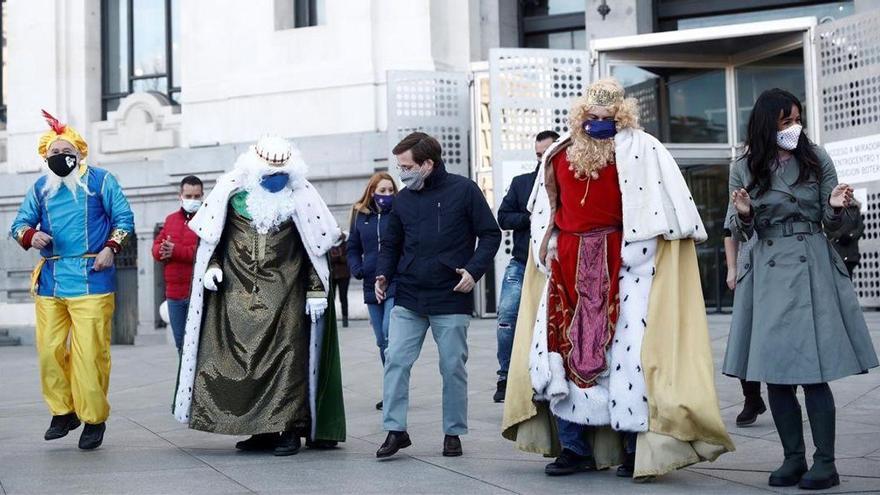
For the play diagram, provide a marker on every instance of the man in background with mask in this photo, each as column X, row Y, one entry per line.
column 175, row 247
column 513, row 214
column 431, row 252
column 79, row 220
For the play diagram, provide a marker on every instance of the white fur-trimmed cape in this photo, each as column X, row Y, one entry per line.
column 319, row 232
column 656, row 202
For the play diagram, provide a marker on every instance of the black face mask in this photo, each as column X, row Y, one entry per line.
column 62, row 164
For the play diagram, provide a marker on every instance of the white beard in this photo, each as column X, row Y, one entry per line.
column 72, row 181
column 269, row 210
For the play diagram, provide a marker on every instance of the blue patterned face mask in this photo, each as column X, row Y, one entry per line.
column 275, row 182
column 600, row 129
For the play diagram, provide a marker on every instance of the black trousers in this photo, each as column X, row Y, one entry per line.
column 342, row 290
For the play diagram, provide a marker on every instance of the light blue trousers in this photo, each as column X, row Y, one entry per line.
column 406, row 334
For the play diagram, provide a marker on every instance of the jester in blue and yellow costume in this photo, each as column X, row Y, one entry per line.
column 78, row 218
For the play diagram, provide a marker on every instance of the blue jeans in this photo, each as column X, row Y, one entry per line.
column 406, row 334
column 573, row 437
column 508, row 307
column 177, row 309
column 380, row 318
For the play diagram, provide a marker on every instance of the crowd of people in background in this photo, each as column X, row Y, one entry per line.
column 604, row 232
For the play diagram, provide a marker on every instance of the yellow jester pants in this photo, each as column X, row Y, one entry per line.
column 73, row 345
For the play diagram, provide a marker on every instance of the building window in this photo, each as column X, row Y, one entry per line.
column 307, row 13
column 556, row 24
column 3, row 55
column 139, row 49
column 686, row 14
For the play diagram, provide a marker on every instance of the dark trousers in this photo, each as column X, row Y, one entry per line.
column 342, row 290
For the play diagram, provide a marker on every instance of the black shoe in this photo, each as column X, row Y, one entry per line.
column 395, row 441
column 61, row 426
column 92, row 436
column 379, row 406
column 823, row 473
column 569, row 463
column 628, row 467
column 750, row 412
column 451, row 446
column 321, row 444
column 500, row 391
column 288, row 443
column 258, row 442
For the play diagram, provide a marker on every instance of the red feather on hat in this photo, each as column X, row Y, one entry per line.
column 56, row 126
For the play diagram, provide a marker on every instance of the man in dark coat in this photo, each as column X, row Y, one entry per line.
column 431, row 251
column 514, row 215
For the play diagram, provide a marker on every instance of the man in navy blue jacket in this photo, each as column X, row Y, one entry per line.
column 513, row 215
column 431, row 252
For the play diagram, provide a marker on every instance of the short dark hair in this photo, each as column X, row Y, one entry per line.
column 547, row 135
column 191, row 180
column 423, row 147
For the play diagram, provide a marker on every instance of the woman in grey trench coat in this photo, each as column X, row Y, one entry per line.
column 796, row 317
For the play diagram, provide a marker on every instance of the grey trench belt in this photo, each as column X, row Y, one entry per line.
column 787, row 229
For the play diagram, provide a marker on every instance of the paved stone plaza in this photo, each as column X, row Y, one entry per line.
column 146, row 451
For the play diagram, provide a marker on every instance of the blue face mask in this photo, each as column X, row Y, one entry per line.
column 600, row 129
column 274, row 183
column 383, row 201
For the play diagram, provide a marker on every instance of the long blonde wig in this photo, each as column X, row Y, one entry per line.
column 587, row 155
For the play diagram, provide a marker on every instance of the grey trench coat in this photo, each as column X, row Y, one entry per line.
column 796, row 316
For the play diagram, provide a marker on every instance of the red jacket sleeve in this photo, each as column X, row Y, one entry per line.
column 184, row 253
column 158, row 241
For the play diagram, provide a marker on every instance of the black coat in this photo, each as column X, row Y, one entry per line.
column 846, row 239
column 431, row 233
column 367, row 230
column 513, row 214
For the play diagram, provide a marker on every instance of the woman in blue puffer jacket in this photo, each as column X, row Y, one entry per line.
column 369, row 222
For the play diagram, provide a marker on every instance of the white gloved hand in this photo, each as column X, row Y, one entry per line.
column 213, row 277
column 315, row 306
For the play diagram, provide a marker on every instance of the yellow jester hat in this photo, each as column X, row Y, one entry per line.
column 58, row 131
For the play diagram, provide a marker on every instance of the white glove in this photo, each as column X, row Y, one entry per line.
column 315, row 306
column 213, row 277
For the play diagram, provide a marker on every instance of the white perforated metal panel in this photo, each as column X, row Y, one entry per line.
column 849, row 76
column 437, row 103
column 848, row 53
column 531, row 90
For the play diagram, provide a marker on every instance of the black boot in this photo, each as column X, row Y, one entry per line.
column 92, row 436
column 823, row 474
column 61, row 425
column 500, row 391
column 258, row 442
column 395, row 441
column 790, row 426
column 569, row 462
column 753, row 405
column 379, row 406
column 628, row 467
column 288, row 443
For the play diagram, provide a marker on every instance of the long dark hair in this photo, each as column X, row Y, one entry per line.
column 761, row 148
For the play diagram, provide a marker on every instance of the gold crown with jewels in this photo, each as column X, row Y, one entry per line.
column 601, row 97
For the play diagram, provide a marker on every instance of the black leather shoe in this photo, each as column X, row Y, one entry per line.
column 628, row 467
column 451, row 446
column 395, row 441
column 321, row 444
column 379, row 406
column 750, row 412
column 258, row 442
column 500, row 391
column 61, row 425
column 92, row 436
column 288, row 443
column 569, row 462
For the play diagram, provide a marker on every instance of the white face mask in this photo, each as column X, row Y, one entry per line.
column 191, row 205
column 787, row 139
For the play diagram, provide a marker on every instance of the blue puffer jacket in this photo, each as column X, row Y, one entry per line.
column 367, row 231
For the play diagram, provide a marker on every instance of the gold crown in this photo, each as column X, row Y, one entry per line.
column 601, row 97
